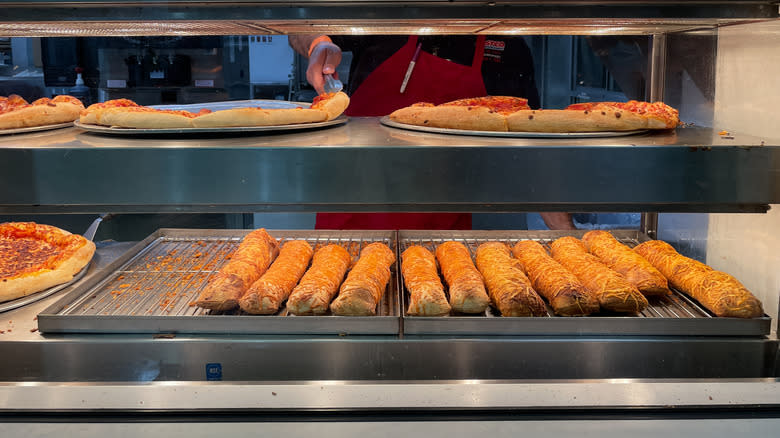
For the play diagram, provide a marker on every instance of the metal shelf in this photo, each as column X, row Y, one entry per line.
column 237, row 17
column 364, row 166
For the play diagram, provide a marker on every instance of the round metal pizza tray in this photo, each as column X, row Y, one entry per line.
column 387, row 122
column 35, row 128
column 226, row 130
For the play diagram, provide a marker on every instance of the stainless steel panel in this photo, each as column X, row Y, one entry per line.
column 118, row 18
column 35, row 128
column 411, row 424
column 675, row 315
column 364, row 166
column 149, row 290
column 391, row 396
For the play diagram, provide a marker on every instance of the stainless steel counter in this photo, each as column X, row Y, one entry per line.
column 364, row 166
column 179, row 357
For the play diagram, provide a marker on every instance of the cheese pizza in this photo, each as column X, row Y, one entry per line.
column 15, row 112
column 34, row 257
column 91, row 113
column 127, row 114
column 508, row 114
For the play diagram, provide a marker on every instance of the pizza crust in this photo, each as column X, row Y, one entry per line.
column 258, row 117
column 575, row 121
column 333, row 105
column 40, row 115
column 30, row 282
column 473, row 118
column 127, row 118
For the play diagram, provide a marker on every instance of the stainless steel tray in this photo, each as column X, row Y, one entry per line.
column 35, row 128
column 149, row 288
column 676, row 315
column 226, row 130
column 387, row 122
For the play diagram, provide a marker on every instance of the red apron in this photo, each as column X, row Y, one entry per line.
column 434, row 80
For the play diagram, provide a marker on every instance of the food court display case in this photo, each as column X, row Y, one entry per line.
column 711, row 187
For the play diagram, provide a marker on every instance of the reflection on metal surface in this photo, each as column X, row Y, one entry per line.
column 195, row 396
column 35, row 128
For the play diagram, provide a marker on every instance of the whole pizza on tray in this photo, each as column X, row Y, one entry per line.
column 16, row 112
column 512, row 114
column 124, row 113
column 34, row 257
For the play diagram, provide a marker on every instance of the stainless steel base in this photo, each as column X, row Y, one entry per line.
column 30, row 356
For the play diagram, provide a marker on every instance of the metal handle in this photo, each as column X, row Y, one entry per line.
column 333, row 85
column 90, row 233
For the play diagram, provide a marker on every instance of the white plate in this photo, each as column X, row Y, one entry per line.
column 387, row 122
column 35, row 128
column 226, row 130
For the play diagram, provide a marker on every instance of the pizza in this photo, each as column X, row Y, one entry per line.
column 124, row 113
column 512, row 114
column 147, row 118
column 15, row 112
column 658, row 114
column 34, row 257
column 90, row 114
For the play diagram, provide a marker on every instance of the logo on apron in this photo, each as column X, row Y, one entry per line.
column 493, row 50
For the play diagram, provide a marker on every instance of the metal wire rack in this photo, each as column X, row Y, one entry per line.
column 676, row 314
column 161, row 276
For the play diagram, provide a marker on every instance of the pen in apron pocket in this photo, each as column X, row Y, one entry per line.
column 411, row 67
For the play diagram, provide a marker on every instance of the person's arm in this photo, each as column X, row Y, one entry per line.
column 323, row 55
column 558, row 221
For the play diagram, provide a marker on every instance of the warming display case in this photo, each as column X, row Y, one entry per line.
column 84, row 361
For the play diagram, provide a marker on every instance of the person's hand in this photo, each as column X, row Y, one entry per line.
column 324, row 59
column 558, row 221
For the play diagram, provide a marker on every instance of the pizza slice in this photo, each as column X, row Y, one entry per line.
column 142, row 117
column 127, row 114
column 324, row 107
column 332, row 104
column 658, row 114
column 596, row 117
column 16, row 113
column 90, row 114
column 256, row 116
column 488, row 113
column 502, row 113
column 34, row 257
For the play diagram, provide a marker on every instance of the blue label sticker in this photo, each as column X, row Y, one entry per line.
column 213, row 371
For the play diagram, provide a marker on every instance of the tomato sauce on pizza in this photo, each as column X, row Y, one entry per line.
column 500, row 104
column 658, row 110
column 34, row 257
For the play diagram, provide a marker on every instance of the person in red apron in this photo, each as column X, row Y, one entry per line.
column 433, row 79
